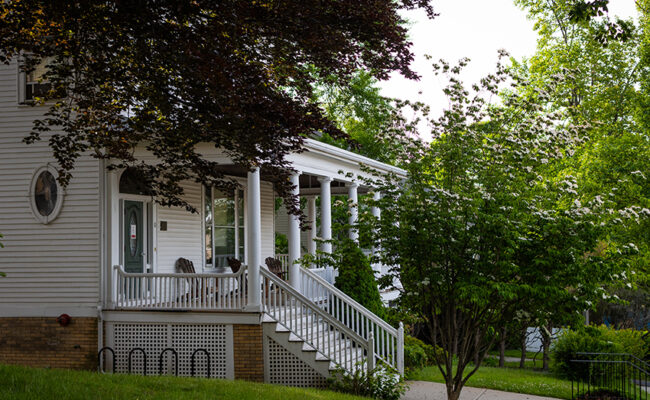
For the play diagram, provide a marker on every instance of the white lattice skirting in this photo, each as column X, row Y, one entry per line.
column 183, row 338
column 286, row 369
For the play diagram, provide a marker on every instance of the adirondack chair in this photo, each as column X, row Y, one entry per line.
column 185, row 266
column 275, row 266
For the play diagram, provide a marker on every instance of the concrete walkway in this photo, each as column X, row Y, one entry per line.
column 419, row 390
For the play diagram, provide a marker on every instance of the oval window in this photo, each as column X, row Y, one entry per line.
column 45, row 195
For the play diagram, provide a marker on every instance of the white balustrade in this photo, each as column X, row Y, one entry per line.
column 149, row 291
column 284, row 259
column 388, row 341
column 313, row 325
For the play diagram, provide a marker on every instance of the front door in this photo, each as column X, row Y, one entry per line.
column 133, row 236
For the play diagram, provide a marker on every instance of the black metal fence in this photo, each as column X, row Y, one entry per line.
column 609, row 376
column 103, row 359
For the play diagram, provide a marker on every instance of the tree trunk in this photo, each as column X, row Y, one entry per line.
column 522, row 360
column 502, row 347
column 477, row 355
column 546, row 345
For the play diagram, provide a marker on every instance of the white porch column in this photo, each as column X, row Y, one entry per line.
column 353, row 202
column 376, row 212
column 294, row 239
column 311, row 215
column 254, row 240
column 325, row 213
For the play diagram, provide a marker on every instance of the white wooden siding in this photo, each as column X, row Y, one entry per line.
column 183, row 236
column 55, row 267
column 267, row 205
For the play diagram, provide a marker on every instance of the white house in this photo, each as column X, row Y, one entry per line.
column 95, row 266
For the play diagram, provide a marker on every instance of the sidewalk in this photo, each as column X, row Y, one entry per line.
column 419, row 390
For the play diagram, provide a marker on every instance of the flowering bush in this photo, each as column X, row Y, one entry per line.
column 381, row 383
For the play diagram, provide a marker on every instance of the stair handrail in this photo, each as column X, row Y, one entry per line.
column 351, row 334
column 396, row 335
column 388, row 327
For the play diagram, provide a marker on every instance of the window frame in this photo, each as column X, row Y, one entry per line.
column 60, row 195
column 239, row 196
column 22, row 84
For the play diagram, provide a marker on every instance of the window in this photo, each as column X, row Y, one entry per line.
column 134, row 181
column 32, row 85
column 45, row 194
column 224, row 226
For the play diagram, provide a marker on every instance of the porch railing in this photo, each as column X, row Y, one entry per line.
column 388, row 341
column 284, row 259
column 314, row 326
column 153, row 291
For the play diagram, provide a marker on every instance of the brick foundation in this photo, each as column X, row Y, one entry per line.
column 248, row 352
column 42, row 342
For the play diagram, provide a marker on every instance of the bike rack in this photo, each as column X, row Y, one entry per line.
column 144, row 359
column 192, row 361
column 160, row 360
column 99, row 358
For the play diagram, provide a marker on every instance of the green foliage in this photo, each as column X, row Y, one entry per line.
column 483, row 227
column 418, row 354
column 356, row 277
column 593, row 339
column 382, row 383
column 571, row 342
column 607, row 89
column 281, row 243
column 359, row 110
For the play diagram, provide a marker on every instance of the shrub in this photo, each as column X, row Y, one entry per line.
column 381, row 383
column 631, row 340
column 418, row 354
column 356, row 277
column 570, row 342
column 281, row 243
column 415, row 356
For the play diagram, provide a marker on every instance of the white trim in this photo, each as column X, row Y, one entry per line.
column 36, row 311
column 230, row 352
column 184, row 317
column 317, row 147
column 60, row 195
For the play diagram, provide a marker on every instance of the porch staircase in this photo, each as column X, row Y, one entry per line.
column 325, row 328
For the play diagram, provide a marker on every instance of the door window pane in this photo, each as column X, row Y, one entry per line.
column 208, row 225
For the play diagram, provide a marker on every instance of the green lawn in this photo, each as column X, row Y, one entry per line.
column 507, row 379
column 18, row 383
column 517, row 353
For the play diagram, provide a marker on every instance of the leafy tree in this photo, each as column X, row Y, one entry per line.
column 359, row 110
column 168, row 75
column 481, row 226
column 607, row 89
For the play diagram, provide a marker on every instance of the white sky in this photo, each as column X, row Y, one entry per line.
column 468, row 28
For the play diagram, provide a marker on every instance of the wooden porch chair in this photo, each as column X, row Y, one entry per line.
column 185, row 266
column 275, row 266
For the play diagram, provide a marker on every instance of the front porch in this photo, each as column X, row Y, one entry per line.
column 297, row 309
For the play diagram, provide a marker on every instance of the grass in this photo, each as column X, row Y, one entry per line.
column 18, row 383
column 517, row 353
column 507, row 379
